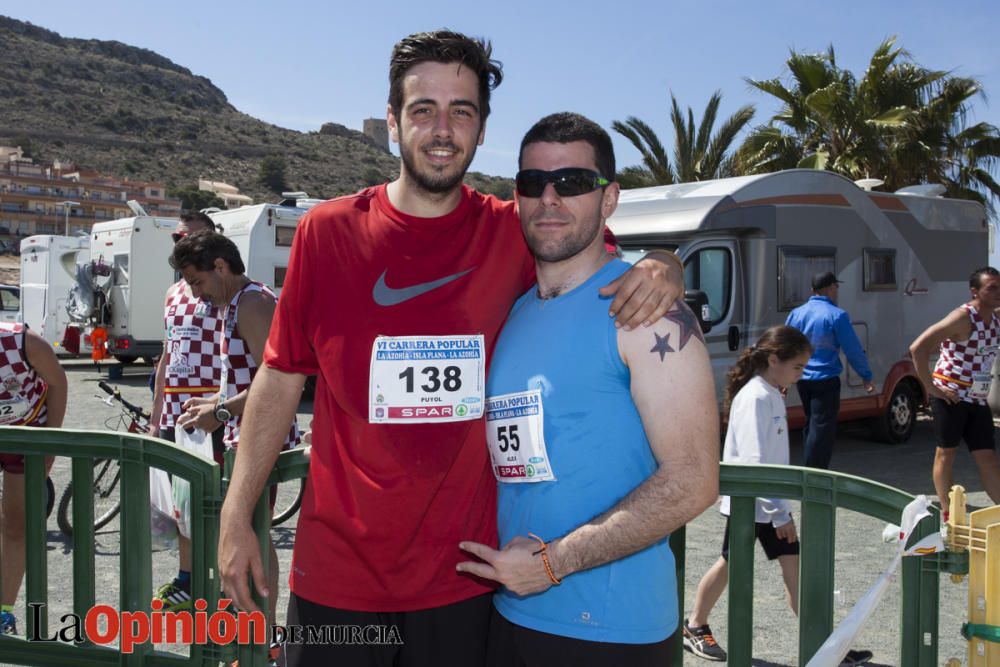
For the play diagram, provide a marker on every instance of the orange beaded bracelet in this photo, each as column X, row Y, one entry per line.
column 545, row 560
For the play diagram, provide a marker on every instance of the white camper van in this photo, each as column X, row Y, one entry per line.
column 131, row 305
column 752, row 243
column 48, row 274
column 263, row 233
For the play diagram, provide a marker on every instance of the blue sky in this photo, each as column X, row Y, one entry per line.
column 300, row 63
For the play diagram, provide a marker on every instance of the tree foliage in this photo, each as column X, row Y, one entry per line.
column 272, row 173
column 193, row 199
column 899, row 122
column 698, row 154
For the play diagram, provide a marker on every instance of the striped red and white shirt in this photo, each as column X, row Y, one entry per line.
column 238, row 365
column 193, row 351
column 22, row 390
column 964, row 366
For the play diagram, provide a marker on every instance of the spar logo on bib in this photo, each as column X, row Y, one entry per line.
column 11, row 384
column 461, row 410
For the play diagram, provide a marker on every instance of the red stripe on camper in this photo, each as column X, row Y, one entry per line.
column 889, row 203
column 809, row 200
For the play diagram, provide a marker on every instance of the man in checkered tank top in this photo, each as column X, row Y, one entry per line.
column 211, row 265
column 189, row 366
column 968, row 340
column 33, row 391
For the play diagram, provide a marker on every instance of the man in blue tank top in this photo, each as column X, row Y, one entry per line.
column 602, row 440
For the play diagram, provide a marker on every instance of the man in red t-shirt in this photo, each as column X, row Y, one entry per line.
column 394, row 298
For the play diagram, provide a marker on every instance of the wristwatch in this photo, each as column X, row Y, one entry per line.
column 221, row 413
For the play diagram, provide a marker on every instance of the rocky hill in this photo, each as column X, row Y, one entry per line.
column 130, row 112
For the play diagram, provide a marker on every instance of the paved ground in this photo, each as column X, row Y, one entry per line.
column 860, row 554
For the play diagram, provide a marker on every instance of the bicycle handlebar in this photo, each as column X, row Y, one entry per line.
column 117, row 395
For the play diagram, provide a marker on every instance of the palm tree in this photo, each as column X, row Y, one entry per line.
column 900, row 122
column 976, row 151
column 698, row 155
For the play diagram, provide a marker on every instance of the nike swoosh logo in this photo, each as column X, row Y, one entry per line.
column 387, row 296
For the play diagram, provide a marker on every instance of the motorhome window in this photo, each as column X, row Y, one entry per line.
column 633, row 255
column 880, row 269
column 710, row 270
column 283, row 236
column 121, row 270
column 10, row 300
column 796, row 267
column 279, row 276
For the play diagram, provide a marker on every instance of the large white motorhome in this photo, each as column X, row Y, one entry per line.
column 263, row 233
column 751, row 244
column 122, row 286
column 130, row 306
column 48, row 275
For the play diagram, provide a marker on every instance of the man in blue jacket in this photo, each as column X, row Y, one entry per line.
column 829, row 329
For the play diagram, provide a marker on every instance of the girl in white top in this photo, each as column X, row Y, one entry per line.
column 758, row 433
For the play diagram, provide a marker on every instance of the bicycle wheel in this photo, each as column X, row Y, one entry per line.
column 50, row 497
column 288, row 502
column 50, row 500
column 106, row 497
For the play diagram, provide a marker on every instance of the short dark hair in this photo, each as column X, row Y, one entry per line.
column 202, row 248
column 566, row 127
column 444, row 46
column 197, row 216
column 976, row 279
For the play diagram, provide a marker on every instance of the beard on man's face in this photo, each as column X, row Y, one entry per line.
column 558, row 250
column 430, row 180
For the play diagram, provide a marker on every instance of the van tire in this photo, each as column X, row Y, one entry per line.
column 126, row 359
column 895, row 424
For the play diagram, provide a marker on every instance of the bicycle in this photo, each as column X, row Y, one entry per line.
column 107, row 501
column 107, row 472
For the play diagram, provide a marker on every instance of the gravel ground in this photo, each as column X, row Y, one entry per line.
column 860, row 554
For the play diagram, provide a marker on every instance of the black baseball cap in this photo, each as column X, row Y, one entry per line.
column 825, row 279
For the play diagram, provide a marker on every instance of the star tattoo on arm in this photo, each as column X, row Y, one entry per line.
column 686, row 321
column 662, row 345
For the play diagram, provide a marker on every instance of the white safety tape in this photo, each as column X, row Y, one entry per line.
column 836, row 646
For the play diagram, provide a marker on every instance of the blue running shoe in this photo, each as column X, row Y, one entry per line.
column 8, row 623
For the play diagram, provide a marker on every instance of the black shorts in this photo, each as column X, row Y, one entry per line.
column 954, row 422
column 773, row 545
column 512, row 645
column 454, row 634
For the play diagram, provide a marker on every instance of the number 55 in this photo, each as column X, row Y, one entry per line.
column 514, row 443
